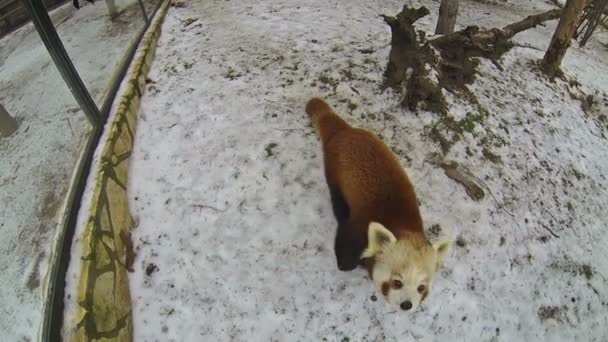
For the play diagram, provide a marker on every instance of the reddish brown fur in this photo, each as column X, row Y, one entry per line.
column 385, row 288
column 425, row 293
column 367, row 183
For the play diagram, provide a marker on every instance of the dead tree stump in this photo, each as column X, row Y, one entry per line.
column 408, row 58
column 452, row 56
column 404, row 44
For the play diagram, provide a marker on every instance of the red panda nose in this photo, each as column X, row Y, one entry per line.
column 406, row 305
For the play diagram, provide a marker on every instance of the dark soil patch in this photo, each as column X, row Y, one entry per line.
column 435, row 230
column 151, row 268
column 546, row 312
column 269, row 149
column 574, row 268
column 502, row 241
column 460, row 242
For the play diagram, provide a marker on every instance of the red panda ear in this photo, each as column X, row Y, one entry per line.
column 441, row 247
column 378, row 237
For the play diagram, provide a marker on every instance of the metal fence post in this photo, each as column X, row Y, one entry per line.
column 53, row 43
column 8, row 124
column 143, row 10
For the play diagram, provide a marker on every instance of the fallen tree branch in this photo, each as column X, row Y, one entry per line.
column 531, row 22
column 460, row 175
column 493, row 35
column 527, row 46
column 472, row 37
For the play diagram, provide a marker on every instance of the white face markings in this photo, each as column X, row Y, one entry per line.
column 404, row 277
column 403, row 269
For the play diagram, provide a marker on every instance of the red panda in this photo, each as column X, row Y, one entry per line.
column 375, row 205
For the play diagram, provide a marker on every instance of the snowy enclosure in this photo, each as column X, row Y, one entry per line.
column 37, row 162
column 235, row 232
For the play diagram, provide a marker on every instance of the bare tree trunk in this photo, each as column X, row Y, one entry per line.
column 8, row 125
column 561, row 38
column 448, row 11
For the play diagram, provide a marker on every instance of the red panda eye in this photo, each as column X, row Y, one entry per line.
column 397, row 284
column 421, row 288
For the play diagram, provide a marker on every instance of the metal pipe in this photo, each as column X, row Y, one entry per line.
column 143, row 10
column 8, row 124
column 68, row 72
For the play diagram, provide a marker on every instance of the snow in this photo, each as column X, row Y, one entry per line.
column 38, row 161
column 235, row 232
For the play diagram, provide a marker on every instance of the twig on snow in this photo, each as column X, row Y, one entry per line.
column 204, row 206
column 289, row 129
column 593, row 288
column 550, row 231
column 240, row 206
column 529, row 46
column 500, row 206
column 69, row 124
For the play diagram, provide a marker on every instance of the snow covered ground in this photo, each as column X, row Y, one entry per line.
column 36, row 163
column 235, row 233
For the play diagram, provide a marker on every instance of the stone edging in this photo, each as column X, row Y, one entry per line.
column 104, row 301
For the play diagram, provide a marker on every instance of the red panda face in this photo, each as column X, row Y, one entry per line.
column 403, row 270
column 404, row 277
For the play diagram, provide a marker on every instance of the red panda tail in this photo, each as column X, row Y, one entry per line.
column 324, row 119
